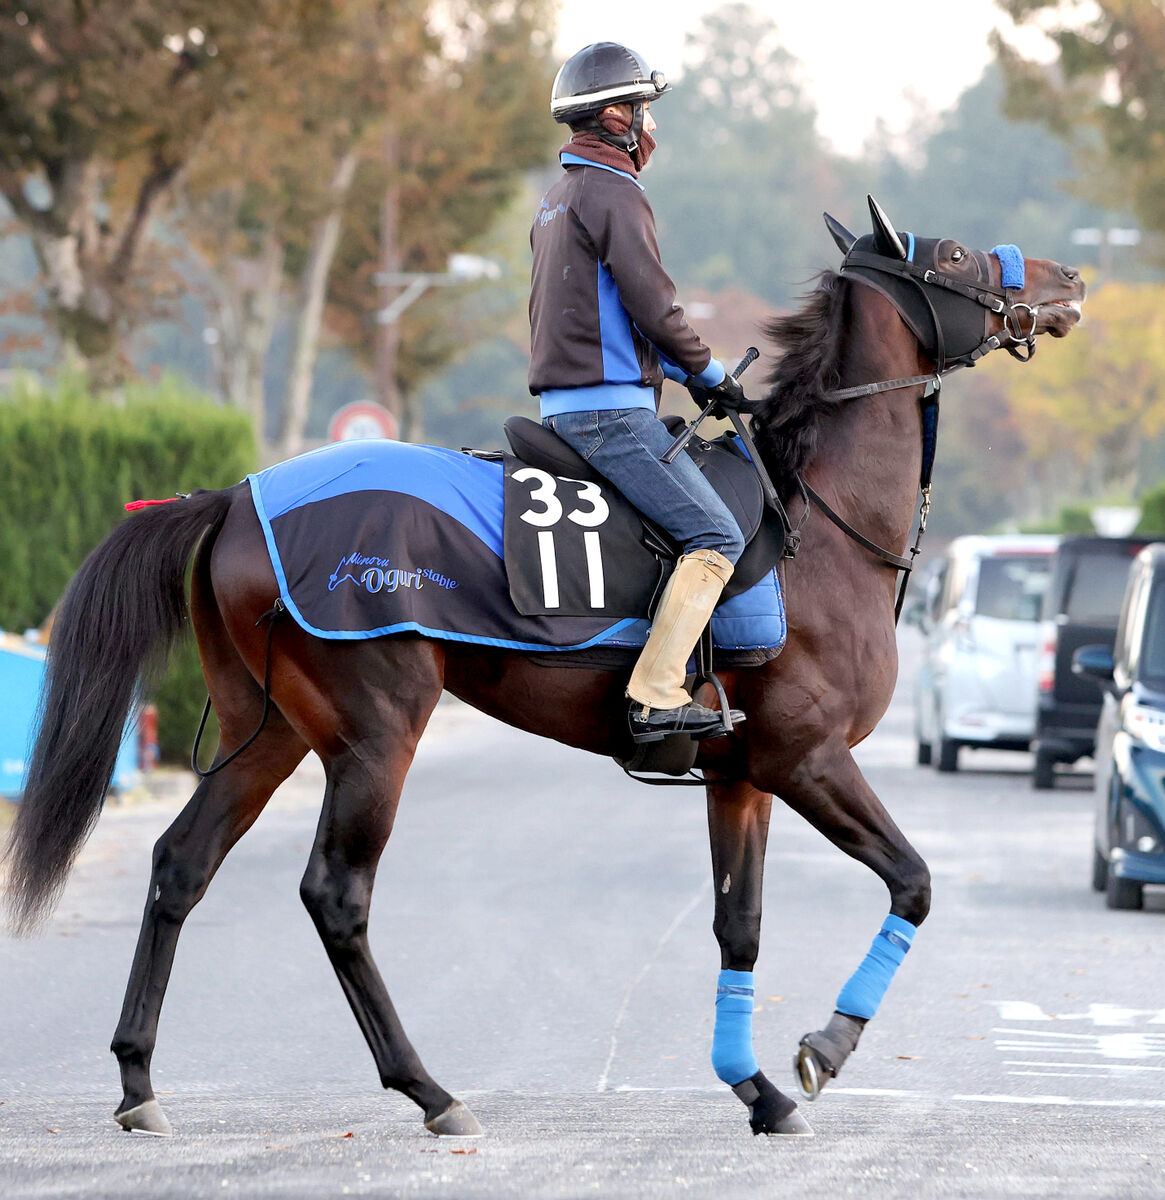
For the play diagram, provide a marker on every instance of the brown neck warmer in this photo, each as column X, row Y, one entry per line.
column 592, row 147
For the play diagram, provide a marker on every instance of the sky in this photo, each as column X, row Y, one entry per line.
column 883, row 50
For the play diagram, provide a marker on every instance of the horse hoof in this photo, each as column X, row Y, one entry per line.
column 794, row 1124
column 812, row 1074
column 769, row 1110
column 147, row 1118
column 455, row 1121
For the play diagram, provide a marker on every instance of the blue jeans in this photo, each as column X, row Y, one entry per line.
column 624, row 445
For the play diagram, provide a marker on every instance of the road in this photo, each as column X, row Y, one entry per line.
column 544, row 927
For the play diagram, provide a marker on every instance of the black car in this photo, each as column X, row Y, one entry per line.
column 1081, row 608
column 1129, row 839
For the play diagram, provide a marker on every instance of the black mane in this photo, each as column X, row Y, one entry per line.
column 810, row 340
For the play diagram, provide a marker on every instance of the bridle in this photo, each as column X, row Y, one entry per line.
column 953, row 339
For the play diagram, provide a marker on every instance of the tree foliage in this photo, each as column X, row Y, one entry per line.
column 1106, row 96
column 740, row 177
column 975, row 174
column 101, row 107
column 1095, row 400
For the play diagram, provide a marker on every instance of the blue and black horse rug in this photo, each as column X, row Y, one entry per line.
column 371, row 538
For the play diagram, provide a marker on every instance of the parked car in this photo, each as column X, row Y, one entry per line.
column 1081, row 607
column 980, row 618
column 1129, row 843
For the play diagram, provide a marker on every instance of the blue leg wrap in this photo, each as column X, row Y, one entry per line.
column 732, row 1056
column 865, row 988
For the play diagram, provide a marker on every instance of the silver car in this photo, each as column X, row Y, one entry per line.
column 980, row 620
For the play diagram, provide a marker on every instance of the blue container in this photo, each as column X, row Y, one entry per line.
column 22, row 668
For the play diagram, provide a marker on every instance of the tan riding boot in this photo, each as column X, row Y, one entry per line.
column 660, row 703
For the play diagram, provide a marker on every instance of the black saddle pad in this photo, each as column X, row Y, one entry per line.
column 575, row 547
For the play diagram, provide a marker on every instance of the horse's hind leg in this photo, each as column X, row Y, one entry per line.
column 187, row 855
column 830, row 792
column 366, row 771
column 738, row 826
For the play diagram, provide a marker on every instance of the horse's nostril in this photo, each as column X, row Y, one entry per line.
column 1070, row 273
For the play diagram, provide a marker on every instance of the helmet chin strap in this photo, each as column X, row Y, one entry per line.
column 627, row 142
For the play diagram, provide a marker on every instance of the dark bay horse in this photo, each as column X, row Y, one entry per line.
column 901, row 310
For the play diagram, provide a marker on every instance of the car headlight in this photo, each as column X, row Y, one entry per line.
column 1147, row 725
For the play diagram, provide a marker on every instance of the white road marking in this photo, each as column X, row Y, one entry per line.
column 1065, row 1101
column 1098, row 1014
column 928, row 1097
column 681, row 917
column 1079, row 1066
column 1104, row 1045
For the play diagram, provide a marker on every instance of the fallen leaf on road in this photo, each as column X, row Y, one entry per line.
column 911, row 1056
column 473, row 1151
column 339, row 1135
column 51, row 1129
column 975, row 1037
column 278, row 1147
column 777, row 999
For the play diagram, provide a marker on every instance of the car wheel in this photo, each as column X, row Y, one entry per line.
column 948, row 755
column 1099, row 871
column 1044, row 772
column 1124, row 893
column 924, row 754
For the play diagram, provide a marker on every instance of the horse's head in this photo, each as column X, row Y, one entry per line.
column 961, row 303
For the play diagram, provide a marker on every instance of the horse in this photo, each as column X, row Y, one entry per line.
column 841, row 427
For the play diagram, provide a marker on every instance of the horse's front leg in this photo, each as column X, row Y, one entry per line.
column 829, row 791
column 738, row 827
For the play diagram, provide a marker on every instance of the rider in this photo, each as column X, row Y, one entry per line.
column 605, row 331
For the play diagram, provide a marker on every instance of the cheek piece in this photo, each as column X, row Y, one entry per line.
column 865, row 988
column 1011, row 262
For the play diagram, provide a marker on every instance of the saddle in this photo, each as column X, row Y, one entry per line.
column 575, row 546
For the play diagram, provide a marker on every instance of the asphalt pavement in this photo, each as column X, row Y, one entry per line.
column 544, row 926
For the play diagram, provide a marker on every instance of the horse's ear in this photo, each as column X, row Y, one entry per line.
column 839, row 233
column 886, row 240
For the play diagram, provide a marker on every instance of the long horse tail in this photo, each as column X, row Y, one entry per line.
column 115, row 624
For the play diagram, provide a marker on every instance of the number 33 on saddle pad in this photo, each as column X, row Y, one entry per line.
column 575, row 547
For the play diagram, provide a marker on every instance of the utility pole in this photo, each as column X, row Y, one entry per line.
column 388, row 332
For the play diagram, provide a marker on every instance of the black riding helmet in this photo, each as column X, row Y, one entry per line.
column 598, row 75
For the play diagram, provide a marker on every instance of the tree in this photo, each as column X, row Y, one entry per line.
column 101, row 107
column 985, row 178
column 1106, row 96
column 454, row 149
column 740, row 177
column 1098, row 401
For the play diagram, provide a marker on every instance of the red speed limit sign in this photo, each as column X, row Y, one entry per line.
column 362, row 419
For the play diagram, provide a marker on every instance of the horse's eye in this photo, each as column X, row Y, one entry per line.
column 957, row 255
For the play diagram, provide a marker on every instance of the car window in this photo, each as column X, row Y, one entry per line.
column 1097, row 588
column 1152, row 658
column 1012, row 588
column 955, row 583
column 1125, row 648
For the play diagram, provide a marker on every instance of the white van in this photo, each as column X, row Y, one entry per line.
column 980, row 619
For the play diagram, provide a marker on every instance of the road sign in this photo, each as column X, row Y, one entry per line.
column 363, row 419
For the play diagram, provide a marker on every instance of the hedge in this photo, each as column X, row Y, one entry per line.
column 69, row 463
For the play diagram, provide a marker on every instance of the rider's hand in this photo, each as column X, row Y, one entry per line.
column 728, row 394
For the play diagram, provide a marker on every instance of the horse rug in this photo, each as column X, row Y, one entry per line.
column 374, row 537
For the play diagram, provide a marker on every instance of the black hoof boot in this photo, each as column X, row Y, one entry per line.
column 769, row 1110
column 692, row 719
column 820, row 1056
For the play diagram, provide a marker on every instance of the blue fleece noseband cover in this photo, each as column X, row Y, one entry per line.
column 865, row 988
column 1011, row 260
column 732, row 1057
